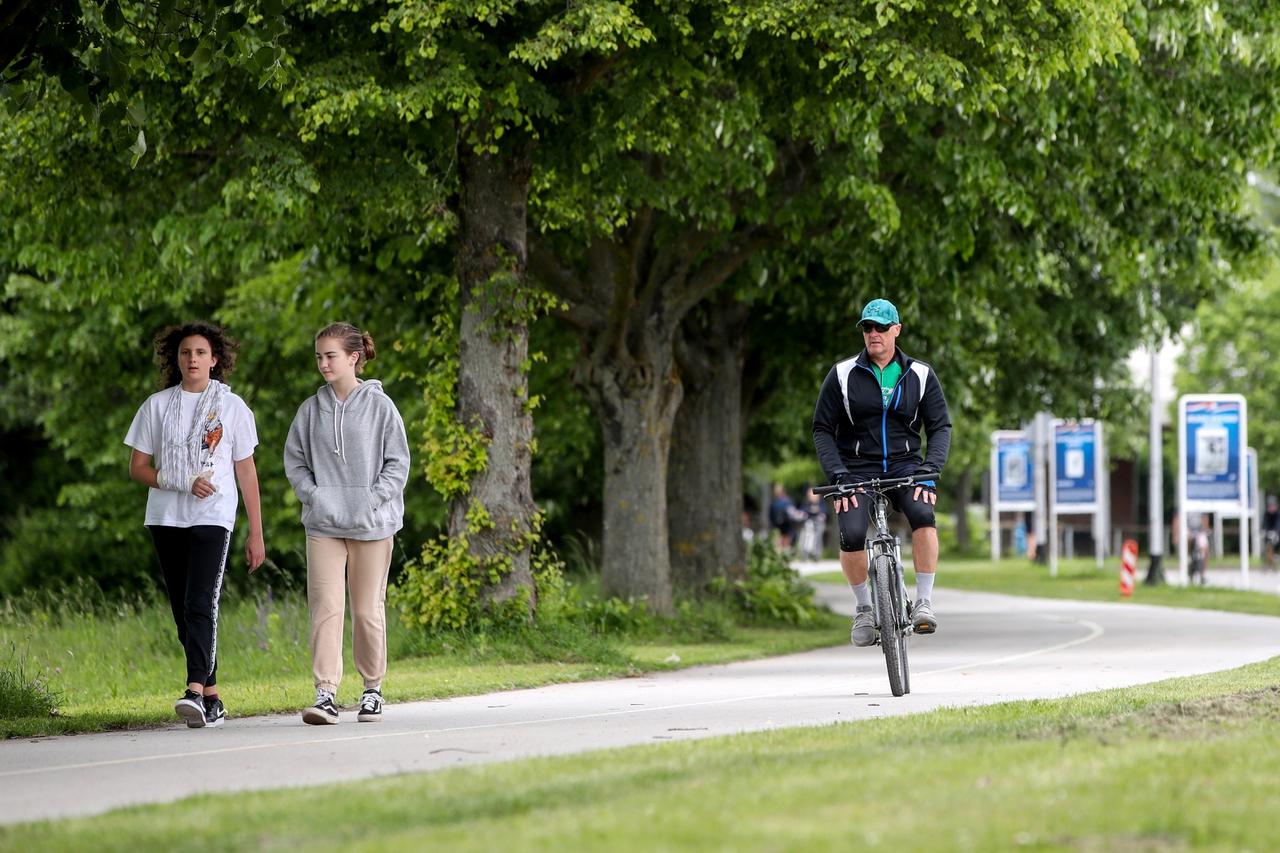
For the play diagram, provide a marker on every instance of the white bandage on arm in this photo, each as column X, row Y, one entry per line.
column 180, row 483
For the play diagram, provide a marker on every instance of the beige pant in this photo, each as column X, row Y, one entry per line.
column 333, row 565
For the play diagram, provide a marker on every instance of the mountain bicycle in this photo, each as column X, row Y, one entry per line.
column 884, row 570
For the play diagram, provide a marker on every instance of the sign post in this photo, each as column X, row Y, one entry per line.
column 1212, row 465
column 1076, row 481
column 1013, row 487
column 1255, row 503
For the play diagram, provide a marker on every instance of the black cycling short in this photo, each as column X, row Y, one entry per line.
column 853, row 523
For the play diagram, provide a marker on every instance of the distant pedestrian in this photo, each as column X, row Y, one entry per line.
column 192, row 441
column 347, row 458
column 783, row 516
column 1271, row 530
column 1198, row 549
column 813, row 528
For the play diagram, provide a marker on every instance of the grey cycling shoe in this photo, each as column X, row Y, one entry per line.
column 922, row 618
column 864, row 626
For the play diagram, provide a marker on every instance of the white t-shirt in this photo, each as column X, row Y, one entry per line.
column 238, row 438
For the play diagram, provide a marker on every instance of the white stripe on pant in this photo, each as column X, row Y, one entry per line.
column 333, row 565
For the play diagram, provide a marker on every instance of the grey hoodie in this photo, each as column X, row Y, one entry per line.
column 348, row 463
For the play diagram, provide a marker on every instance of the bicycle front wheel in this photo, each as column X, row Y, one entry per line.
column 889, row 604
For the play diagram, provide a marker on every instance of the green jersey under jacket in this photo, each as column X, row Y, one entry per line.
column 856, row 430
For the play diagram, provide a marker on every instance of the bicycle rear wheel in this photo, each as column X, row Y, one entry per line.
column 889, row 605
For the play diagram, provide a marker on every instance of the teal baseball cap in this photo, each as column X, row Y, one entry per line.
column 880, row 311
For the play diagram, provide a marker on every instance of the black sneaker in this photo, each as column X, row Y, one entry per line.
column 370, row 706
column 191, row 709
column 214, row 713
column 324, row 712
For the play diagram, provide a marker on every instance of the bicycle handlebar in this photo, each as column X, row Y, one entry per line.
column 874, row 484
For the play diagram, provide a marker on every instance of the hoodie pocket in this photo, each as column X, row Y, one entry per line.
column 348, row 508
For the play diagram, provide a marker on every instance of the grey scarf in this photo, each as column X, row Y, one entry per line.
column 187, row 449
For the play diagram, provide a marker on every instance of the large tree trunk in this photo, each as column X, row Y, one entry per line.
column 704, row 485
column 636, row 405
column 627, row 302
column 494, row 343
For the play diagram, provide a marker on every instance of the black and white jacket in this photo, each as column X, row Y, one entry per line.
column 854, row 431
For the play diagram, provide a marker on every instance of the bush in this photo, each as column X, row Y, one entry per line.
column 579, row 605
column 772, row 593
column 979, row 527
column 23, row 694
column 54, row 547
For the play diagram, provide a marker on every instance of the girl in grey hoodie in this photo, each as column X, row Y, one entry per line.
column 347, row 458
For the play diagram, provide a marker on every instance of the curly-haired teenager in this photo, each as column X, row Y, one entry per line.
column 347, row 458
column 191, row 442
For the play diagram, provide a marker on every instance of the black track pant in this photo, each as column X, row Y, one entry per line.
column 194, row 561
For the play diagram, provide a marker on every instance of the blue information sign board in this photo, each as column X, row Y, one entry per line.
column 1015, row 476
column 1213, row 434
column 1212, row 451
column 1075, row 448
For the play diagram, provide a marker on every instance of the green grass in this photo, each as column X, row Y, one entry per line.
column 1081, row 579
column 121, row 666
column 1185, row 763
column 21, row 693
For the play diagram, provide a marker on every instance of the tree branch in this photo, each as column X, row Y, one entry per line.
column 546, row 267
column 717, row 270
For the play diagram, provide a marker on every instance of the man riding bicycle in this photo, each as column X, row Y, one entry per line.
column 867, row 423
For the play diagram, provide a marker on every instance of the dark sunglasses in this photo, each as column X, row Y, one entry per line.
column 879, row 327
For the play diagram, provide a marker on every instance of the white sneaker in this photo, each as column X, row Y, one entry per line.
column 922, row 618
column 863, row 632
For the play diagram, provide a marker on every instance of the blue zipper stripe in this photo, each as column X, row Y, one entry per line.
column 884, row 413
column 884, row 437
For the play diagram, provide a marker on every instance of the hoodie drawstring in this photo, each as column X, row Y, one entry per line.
column 338, row 445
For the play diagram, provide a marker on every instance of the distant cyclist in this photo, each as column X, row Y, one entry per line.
column 868, row 422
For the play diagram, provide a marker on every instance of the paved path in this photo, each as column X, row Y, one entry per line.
column 1227, row 577
column 990, row 648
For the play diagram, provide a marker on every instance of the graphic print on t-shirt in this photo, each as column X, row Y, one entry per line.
column 212, row 435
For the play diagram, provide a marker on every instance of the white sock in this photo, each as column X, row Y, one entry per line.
column 862, row 592
column 924, row 586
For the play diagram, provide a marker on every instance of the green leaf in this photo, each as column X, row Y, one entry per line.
column 188, row 46
column 111, row 114
column 138, row 149
column 112, row 16
column 202, row 57
column 231, row 22
column 262, row 59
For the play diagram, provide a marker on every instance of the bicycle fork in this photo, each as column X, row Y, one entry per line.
column 901, row 621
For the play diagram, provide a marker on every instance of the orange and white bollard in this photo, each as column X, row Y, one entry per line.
column 1128, row 565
